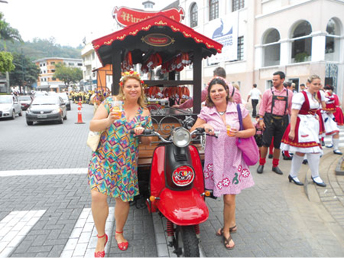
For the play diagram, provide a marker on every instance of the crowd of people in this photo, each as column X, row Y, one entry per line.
column 291, row 121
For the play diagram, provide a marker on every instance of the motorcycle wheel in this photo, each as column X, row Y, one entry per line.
column 187, row 241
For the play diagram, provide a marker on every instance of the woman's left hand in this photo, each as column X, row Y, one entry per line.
column 233, row 132
column 138, row 130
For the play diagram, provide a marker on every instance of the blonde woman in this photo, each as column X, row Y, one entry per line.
column 302, row 134
column 112, row 170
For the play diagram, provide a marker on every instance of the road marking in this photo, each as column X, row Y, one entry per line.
column 34, row 172
column 83, row 239
column 14, row 227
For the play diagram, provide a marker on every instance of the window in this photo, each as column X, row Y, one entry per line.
column 271, row 48
column 71, row 64
column 52, row 63
column 79, row 64
column 194, row 15
column 237, row 5
column 213, row 9
column 240, row 48
column 302, row 43
column 332, row 41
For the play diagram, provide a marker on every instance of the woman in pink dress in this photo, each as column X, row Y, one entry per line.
column 225, row 171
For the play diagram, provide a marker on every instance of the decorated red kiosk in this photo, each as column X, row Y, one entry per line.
column 158, row 41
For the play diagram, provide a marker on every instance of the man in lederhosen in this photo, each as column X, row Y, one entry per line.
column 273, row 118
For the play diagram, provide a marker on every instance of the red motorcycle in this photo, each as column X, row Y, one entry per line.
column 176, row 189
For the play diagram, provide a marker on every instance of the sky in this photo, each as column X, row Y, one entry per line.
column 68, row 21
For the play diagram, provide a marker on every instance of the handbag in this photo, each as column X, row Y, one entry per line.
column 93, row 140
column 248, row 146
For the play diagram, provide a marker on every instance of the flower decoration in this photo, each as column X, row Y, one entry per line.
column 130, row 73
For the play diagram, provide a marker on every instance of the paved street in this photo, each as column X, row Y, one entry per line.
column 45, row 203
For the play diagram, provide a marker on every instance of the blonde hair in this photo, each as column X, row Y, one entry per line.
column 236, row 86
column 312, row 78
column 121, row 96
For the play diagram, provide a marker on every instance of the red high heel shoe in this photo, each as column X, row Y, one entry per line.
column 101, row 253
column 124, row 245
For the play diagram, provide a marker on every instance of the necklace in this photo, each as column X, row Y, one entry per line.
column 221, row 113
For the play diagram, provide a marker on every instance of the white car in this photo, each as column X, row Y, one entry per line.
column 9, row 106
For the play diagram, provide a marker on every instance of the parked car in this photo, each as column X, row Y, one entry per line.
column 25, row 101
column 46, row 108
column 40, row 93
column 65, row 99
column 9, row 106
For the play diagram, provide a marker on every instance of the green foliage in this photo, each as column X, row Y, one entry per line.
column 6, row 62
column 7, row 33
column 301, row 57
column 25, row 72
column 67, row 74
column 42, row 48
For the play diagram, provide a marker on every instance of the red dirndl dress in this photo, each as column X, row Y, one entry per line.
column 307, row 130
column 338, row 114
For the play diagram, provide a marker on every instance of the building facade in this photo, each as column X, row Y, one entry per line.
column 298, row 37
column 46, row 80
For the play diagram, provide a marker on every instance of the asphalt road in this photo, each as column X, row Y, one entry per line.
column 45, row 145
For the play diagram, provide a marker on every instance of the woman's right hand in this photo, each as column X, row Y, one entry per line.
column 291, row 135
column 209, row 129
column 114, row 115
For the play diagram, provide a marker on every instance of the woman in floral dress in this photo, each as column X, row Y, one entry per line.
column 113, row 167
column 225, row 171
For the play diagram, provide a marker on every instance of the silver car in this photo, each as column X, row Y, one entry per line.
column 46, row 108
column 9, row 106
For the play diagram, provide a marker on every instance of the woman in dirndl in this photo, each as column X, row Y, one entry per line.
column 330, row 121
column 302, row 135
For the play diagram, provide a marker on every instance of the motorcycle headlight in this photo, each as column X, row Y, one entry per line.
column 181, row 137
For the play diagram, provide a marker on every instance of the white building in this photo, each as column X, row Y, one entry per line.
column 298, row 37
column 46, row 80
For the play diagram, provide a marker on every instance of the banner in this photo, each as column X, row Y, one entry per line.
column 127, row 16
column 225, row 31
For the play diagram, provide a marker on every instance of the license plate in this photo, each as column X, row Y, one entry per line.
column 41, row 116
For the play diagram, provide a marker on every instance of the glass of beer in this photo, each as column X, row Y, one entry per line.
column 229, row 132
column 117, row 107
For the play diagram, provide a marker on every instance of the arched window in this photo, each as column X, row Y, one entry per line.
column 213, row 9
column 301, row 50
column 332, row 41
column 271, row 48
column 194, row 15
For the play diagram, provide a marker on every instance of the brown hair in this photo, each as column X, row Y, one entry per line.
column 217, row 80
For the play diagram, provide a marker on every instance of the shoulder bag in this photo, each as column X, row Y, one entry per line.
column 93, row 140
column 248, row 146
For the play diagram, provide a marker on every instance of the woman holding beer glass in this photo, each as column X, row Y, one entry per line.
column 113, row 167
column 225, row 171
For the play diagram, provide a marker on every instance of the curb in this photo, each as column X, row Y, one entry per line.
column 326, row 161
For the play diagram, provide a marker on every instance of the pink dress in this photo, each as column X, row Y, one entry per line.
column 225, row 171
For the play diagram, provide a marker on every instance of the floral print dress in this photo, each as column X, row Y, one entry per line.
column 113, row 166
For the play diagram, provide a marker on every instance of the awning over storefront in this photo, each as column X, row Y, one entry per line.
column 160, row 33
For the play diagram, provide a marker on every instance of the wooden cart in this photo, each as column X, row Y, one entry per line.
column 164, row 40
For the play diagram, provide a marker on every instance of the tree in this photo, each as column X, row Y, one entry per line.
column 6, row 60
column 67, row 74
column 7, row 33
column 25, row 72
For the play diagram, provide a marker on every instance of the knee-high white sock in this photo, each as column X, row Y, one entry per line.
column 335, row 144
column 313, row 162
column 295, row 165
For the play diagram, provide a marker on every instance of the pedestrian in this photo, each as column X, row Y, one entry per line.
column 255, row 95
column 273, row 118
column 302, row 87
column 219, row 71
column 225, row 171
column 259, row 134
column 112, row 170
column 331, row 127
column 302, row 135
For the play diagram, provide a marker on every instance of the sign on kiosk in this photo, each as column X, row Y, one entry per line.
column 127, row 16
